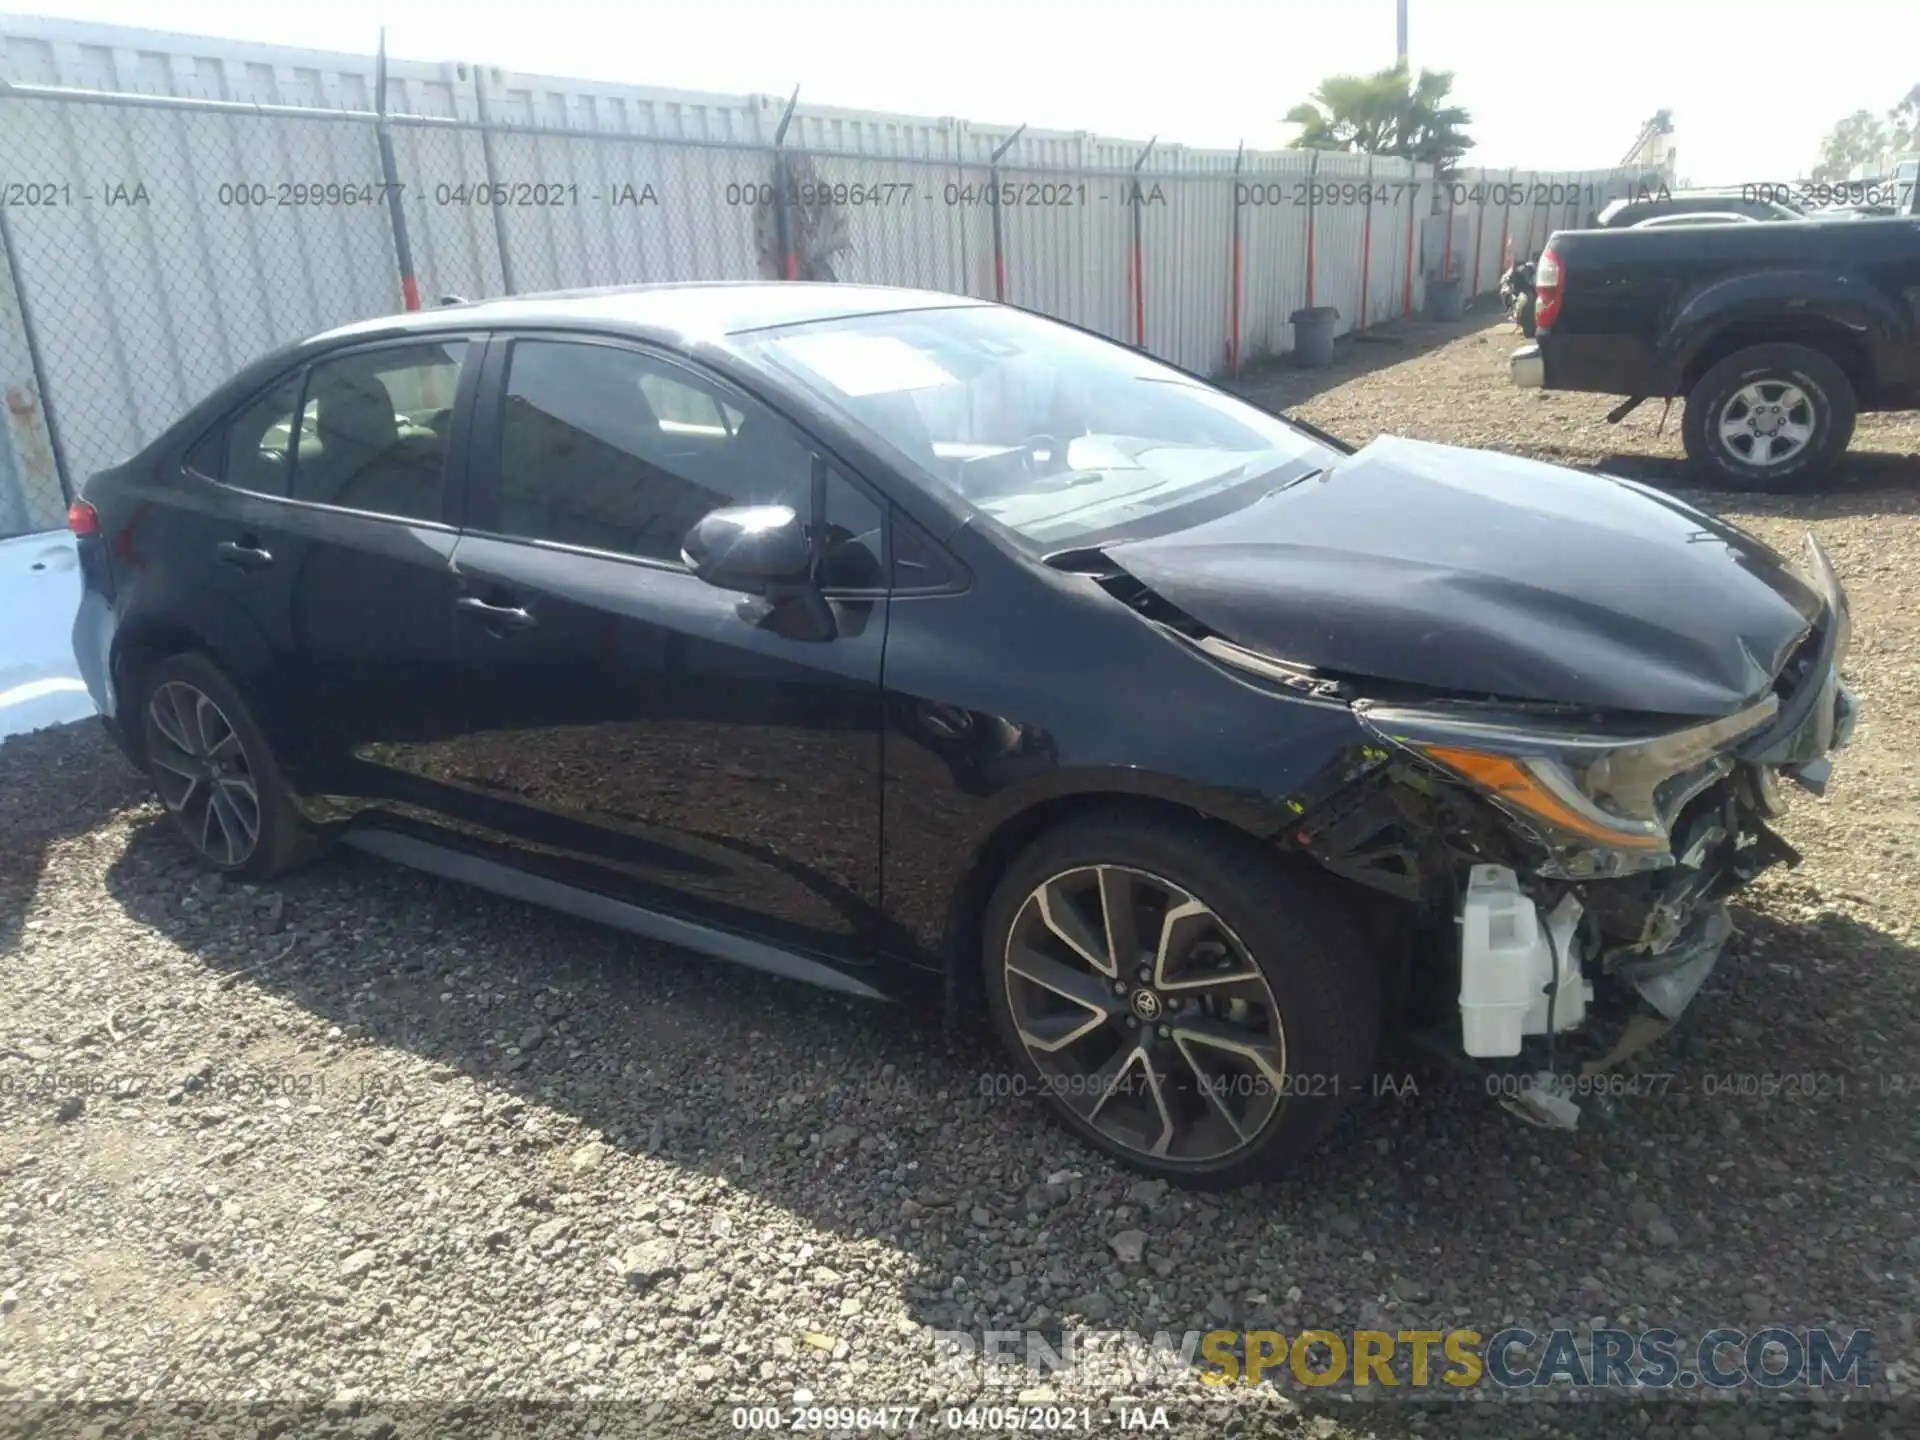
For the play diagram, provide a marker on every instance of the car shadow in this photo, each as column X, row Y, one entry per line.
column 883, row 1124
column 70, row 777
column 1278, row 384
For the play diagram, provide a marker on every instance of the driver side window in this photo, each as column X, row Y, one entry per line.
column 611, row 449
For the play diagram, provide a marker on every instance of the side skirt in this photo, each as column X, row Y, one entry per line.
column 451, row 864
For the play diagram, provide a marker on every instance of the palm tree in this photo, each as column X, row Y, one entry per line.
column 1387, row 113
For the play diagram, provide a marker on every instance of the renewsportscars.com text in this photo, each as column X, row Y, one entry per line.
column 1771, row 1358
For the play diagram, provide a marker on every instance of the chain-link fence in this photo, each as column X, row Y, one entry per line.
column 154, row 245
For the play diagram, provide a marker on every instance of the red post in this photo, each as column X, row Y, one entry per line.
column 1406, row 287
column 1479, row 234
column 1135, row 203
column 1313, row 169
column 1139, row 290
column 1506, row 226
column 1530, row 209
column 1366, row 249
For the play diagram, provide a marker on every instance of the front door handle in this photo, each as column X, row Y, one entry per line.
column 246, row 556
column 497, row 617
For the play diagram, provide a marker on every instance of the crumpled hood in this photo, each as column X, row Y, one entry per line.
column 1473, row 571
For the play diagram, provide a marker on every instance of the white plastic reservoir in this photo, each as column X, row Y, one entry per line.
column 1510, row 958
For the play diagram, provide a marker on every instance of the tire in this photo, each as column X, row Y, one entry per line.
column 1809, row 390
column 1233, row 1114
column 188, row 712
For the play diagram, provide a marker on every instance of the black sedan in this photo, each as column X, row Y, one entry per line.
column 893, row 640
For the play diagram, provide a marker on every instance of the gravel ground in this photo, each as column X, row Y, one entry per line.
column 371, row 1139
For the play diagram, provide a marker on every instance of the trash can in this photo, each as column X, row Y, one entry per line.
column 1445, row 299
column 1313, row 335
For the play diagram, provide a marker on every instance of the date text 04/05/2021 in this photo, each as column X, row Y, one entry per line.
column 958, row 1419
column 1014, row 1084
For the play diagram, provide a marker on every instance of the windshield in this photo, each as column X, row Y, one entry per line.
column 1060, row 436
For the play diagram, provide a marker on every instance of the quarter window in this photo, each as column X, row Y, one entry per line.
column 254, row 450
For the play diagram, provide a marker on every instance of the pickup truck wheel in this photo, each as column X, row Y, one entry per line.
column 1770, row 417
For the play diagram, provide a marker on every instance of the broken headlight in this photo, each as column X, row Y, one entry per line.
column 1603, row 805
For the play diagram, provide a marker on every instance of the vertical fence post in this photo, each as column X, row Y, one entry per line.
column 1507, row 257
column 1413, row 223
column 999, row 243
column 1479, row 235
column 37, row 362
column 1313, row 170
column 1531, row 186
column 782, row 217
column 1446, row 245
column 493, row 181
column 390, row 177
column 1233, row 298
column 1139, row 276
column 1366, row 250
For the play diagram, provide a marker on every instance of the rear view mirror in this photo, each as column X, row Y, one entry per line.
column 753, row 548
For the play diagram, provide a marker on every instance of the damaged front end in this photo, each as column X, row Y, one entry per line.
column 1569, row 849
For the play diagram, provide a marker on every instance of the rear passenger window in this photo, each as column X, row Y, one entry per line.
column 373, row 431
column 253, row 450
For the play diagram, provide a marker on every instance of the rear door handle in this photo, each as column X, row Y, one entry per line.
column 247, row 557
column 497, row 617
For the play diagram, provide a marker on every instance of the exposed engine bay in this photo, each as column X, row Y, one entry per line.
column 1566, row 865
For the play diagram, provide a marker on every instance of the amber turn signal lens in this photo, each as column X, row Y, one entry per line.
column 1514, row 783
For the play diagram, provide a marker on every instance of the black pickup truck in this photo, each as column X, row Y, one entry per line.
column 1776, row 335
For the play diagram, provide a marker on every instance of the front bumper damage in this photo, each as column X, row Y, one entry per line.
column 1660, row 934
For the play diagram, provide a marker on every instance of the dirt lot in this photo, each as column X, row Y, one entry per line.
column 370, row 1139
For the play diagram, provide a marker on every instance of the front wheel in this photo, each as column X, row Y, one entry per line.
column 1770, row 417
column 1178, row 998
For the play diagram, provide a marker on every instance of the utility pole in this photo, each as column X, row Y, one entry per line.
column 1403, row 33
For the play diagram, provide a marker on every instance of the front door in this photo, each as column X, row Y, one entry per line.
column 631, row 728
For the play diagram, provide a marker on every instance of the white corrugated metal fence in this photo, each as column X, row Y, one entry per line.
column 177, row 207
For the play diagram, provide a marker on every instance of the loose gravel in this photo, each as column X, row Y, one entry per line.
column 377, row 1143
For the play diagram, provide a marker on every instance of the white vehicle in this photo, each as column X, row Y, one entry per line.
column 1708, row 217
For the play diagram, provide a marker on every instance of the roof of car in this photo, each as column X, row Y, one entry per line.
column 691, row 310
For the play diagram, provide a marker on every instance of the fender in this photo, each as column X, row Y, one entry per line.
column 1005, row 819
column 1798, row 301
column 1258, row 816
column 230, row 638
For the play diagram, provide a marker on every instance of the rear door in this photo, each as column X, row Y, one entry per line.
column 633, row 729
column 335, row 535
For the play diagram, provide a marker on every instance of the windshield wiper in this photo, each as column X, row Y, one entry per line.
column 1297, row 480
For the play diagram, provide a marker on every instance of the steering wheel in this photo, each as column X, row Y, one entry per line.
column 1046, row 454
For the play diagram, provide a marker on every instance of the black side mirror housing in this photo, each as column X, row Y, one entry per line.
column 757, row 549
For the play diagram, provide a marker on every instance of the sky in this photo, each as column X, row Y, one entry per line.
column 1551, row 84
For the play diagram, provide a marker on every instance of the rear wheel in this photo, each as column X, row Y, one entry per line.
column 1178, row 998
column 216, row 776
column 1770, row 417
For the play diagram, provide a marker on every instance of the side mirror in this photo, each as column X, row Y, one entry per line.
column 754, row 548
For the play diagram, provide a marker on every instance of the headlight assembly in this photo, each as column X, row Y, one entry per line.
column 1605, row 804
